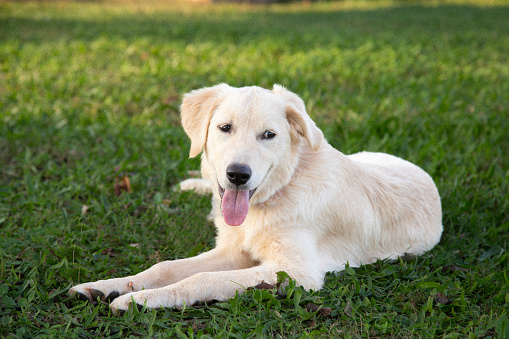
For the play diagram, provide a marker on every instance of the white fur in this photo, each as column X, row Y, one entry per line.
column 314, row 209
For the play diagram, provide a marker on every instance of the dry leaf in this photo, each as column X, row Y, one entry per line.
column 440, row 298
column 312, row 307
column 348, row 309
column 140, row 210
column 156, row 256
column 452, row 268
column 84, row 209
column 324, row 311
column 198, row 326
column 263, row 286
column 122, row 184
column 109, row 252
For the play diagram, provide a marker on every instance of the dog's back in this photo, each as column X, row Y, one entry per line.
column 406, row 202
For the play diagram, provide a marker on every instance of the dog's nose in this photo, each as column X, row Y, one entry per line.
column 238, row 174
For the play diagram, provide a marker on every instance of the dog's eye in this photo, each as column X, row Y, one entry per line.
column 268, row 135
column 225, row 128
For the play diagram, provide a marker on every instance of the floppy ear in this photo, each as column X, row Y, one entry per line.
column 196, row 112
column 298, row 117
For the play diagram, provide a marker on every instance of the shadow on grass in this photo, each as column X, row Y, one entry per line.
column 309, row 28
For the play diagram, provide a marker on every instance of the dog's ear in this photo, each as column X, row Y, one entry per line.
column 298, row 117
column 196, row 111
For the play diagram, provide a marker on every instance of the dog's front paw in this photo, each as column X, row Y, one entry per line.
column 122, row 303
column 94, row 291
column 156, row 298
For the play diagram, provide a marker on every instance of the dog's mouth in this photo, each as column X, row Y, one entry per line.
column 235, row 205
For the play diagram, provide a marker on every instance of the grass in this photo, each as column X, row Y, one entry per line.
column 90, row 92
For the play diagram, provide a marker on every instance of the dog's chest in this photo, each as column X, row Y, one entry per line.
column 261, row 242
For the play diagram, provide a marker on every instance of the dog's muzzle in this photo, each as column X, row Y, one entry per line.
column 235, row 202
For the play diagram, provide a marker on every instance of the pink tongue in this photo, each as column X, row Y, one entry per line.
column 234, row 206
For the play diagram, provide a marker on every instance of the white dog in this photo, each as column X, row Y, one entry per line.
column 283, row 200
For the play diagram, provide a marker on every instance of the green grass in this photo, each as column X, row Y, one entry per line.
column 90, row 92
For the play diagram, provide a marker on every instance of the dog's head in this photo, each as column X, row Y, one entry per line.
column 251, row 139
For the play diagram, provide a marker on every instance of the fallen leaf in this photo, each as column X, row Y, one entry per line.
column 452, row 268
column 156, row 256
column 198, row 325
column 117, row 188
column 84, row 209
column 109, row 252
column 323, row 311
column 135, row 245
column 348, row 309
column 263, row 286
column 440, row 298
column 312, row 307
column 140, row 210
column 122, row 184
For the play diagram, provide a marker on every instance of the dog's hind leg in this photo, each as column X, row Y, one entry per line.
column 199, row 186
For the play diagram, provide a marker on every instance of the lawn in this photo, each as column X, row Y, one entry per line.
column 90, row 94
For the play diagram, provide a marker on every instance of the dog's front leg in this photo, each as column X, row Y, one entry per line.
column 162, row 274
column 205, row 286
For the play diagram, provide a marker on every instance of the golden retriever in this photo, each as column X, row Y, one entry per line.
column 283, row 200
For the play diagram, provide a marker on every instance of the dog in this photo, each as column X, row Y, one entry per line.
column 283, row 199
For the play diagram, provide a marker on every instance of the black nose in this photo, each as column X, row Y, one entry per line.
column 238, row 174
